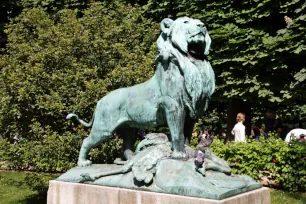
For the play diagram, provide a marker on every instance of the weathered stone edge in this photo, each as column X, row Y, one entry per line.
column 258, row 196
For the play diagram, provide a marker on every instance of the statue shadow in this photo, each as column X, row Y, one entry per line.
column 141, row 183
column 39, row 198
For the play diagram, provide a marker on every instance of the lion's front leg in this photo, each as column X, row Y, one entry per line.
column 175, row 120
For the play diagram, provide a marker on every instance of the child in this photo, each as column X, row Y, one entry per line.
column 239, row 129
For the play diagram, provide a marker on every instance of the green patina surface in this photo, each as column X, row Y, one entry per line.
column 153, row 169
column 176, row 96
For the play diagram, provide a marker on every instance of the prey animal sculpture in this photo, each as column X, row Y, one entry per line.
column 149, row 151
column 176, row 95
column 153, row 149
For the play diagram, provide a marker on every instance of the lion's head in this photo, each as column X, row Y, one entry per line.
column 188, row 35
column 185, row 43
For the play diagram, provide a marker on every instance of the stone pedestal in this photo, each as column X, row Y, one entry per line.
column 74, row 193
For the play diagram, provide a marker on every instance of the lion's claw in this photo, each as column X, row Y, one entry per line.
column 179, row 155
column 83, row 163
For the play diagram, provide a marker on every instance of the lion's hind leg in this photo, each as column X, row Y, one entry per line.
column 129, row 136
column 94, row 139
column 83, row 161
column 101, row 131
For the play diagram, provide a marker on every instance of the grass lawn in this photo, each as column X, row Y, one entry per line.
column 14, row 191
column 281, row 197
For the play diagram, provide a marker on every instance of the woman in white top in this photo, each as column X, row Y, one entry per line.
column 239, row 129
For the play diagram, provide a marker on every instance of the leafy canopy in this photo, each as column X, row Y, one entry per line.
column 59, row 64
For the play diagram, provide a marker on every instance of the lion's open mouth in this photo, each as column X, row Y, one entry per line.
column 196, row 46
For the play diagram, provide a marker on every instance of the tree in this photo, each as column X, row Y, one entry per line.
column 60, row 64
column 254, row 55
column 8, row 9
column 12, row 8
column 55, row 5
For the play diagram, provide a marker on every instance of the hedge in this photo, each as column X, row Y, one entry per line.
column 272, row 161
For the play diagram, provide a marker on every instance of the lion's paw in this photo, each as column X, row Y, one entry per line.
column 83, row 163
column 179, row 155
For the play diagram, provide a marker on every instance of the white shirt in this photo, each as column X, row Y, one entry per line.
column 295, row 133
column 239, row 132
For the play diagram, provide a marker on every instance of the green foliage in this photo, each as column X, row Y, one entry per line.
column 271, row 160
column 57, row 65
column 55, row 5
column 107, row 152
column 194, row 140
column 254, row 55
column 49, row 151
column 301, row 75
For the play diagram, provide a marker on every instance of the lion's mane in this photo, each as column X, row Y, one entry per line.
column 199, row 78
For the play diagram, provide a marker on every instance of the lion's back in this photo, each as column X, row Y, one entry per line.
column 146, row 91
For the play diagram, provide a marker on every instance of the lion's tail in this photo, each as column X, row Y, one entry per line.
column 71, row 116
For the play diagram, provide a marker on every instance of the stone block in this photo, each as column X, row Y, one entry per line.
column 75, row 193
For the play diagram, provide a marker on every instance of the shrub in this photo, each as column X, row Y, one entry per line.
column 49, row 151
column 272, row 161
column 57, row 64
column 107, row 152
column 38, row 181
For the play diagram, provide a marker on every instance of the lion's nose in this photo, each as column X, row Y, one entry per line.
column 201, row 25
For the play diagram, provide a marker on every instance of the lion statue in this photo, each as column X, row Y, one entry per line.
column 176, row 95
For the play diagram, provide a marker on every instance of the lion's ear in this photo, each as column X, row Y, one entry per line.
column 207, row 43
column 165, row 25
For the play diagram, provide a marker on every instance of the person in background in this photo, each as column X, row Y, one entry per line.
column 16, row 140
column 202, row 134
column 302, row 138
column 282, row 131
column 256, row 129
column 295, row 133
column 239, row 129
column 271, row 123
